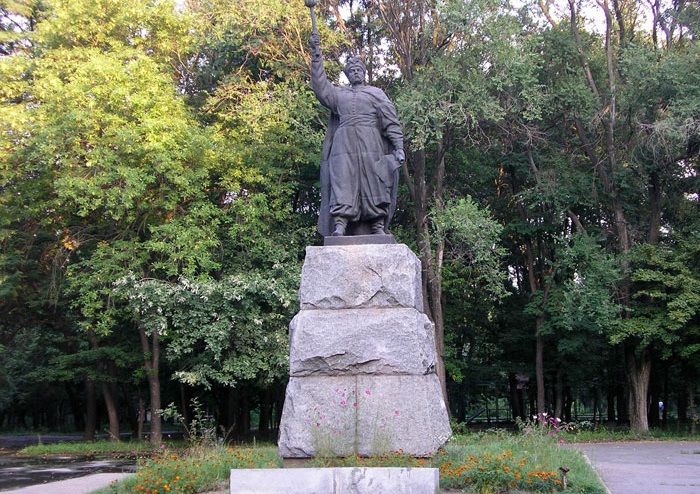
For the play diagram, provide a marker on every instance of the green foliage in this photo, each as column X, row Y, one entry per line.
column 602, row 435
column 533, row 459
column 173, row 150
column 472, row 238
column 24, row 362
column 581, row 301
column 219, row 331
column 89, row 449
column 152, row 27
column 501, row 462
column 666, row 297
column 199, row 471
column 200, row 431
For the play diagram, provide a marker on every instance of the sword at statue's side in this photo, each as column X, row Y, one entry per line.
column 311, row 4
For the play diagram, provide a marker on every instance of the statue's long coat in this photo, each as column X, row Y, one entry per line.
column 359, row 174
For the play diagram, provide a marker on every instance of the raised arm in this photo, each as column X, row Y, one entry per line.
column 324, row 90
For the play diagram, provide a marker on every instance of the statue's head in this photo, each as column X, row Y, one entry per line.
column 355, row 70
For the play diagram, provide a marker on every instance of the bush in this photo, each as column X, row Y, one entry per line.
column 200, row 470
column 503, row 472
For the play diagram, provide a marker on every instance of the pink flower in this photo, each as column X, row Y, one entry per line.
column 368, row 392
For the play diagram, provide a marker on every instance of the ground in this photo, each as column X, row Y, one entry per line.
column 664, row 467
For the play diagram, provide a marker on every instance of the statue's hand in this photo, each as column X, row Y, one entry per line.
column 400, row 155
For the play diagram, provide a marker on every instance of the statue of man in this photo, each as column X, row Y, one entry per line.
column 362, row 152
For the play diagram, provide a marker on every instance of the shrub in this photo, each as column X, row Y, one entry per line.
column 489, row 473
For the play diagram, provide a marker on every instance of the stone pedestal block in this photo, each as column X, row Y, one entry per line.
column 361, row 341
column 335, row 481
column 362, row 358
column 354, row 276
column 365, row 415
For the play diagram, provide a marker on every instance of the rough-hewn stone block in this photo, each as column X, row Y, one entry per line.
column 354, row 276
column 365, row 414
column 361, row 341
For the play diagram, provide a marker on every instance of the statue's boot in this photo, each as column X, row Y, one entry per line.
column 377, row 227
column 340, row 225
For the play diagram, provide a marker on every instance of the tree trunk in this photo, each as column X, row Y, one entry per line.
column 76, row 408
column 183, row 404
column 693, row 413
column 151, row 363
column 243, row 419
column 108, row 392
column 140, row 418
column 682, row 404
column 435, row 287
column 653, row 401
column 430, row 264
column 279, row 403
column 622, row 406
column 231, row 404
column 539, row 369
column 516, row 399
column 265, row 408
column 112, row 412
column 535, row 285
column 154, row 395
column 611, row 402
column 638, row 371
column 559, row 392
column 666, row 399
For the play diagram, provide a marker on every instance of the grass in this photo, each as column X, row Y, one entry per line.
column 604, row 435
column 132, row 449
column 474, row 463
column 497, row 462
column 196, row 470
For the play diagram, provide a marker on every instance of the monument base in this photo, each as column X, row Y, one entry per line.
column 362, row 358
column 359, row 240
column 365, row 415
column 335, row 481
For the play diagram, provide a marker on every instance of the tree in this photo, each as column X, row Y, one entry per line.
column 632, row 144
column 106, row 154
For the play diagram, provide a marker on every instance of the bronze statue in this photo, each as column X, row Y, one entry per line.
column 362, row 152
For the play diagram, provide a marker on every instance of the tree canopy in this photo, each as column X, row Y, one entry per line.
column 159, row 167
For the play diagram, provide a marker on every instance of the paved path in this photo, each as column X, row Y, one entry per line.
column 17, row 472
column 663, row 467
column 81, row 485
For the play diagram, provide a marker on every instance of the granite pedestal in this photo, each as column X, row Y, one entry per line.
column 362, row 358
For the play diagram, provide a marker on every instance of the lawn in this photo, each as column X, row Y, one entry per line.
column 475, row 463
column 496, row 461
column 97, row 449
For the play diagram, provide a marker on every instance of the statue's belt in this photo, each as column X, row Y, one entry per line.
column 358, row 121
